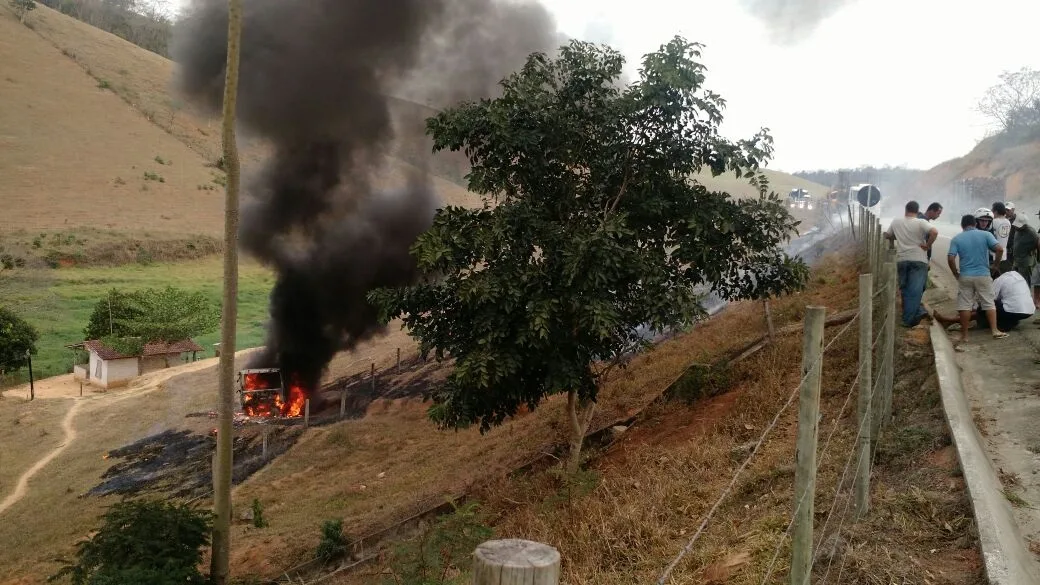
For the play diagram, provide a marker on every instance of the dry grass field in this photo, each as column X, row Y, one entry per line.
column 74, row 154
column 334, row 471
column 94, row 136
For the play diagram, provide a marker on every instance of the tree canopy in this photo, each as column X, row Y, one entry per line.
column 167, row 314
column 16, row 337
column 1014, row 103
column 593, row 225
column 142, row 541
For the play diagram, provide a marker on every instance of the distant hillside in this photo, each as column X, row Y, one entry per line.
column 74, row 155
column 93, row 138
column 1017, row 164
column 145, row 23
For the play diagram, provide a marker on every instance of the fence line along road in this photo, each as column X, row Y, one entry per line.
column 873, row 386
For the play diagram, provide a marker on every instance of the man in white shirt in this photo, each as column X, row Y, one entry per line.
column 914, row 238
column 1001, row 227
column 1012, row 297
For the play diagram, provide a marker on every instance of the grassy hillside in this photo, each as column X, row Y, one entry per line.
column 996, row 156
column 73, row 154
column 59, row 302
column 612, row 523
column 93, row 136
column 780, row 182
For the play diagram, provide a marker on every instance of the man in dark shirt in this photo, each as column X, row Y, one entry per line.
column 933, row 212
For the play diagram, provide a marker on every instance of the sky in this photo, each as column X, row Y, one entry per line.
column 879, row 82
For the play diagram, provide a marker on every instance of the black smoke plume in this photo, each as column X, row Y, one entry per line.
column 315, row 81
column 789, row 21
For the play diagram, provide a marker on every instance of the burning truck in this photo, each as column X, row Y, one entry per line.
column 264, row 393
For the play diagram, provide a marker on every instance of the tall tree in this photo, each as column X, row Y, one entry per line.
column 127, row 321
column 1017, row 92
column 17, row 337
column 113, row 316
column 220, row 560
column 593, row 225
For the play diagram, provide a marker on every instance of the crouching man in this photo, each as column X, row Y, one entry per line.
column 1011, row 298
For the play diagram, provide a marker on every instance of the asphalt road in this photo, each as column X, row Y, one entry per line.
column 1002, row 384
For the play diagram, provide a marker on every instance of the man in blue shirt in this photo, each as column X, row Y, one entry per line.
column 972, row 246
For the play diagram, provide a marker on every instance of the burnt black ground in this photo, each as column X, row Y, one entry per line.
column 177, row 462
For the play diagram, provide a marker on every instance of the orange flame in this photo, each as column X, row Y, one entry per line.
column 258, row 406
column 297, row 397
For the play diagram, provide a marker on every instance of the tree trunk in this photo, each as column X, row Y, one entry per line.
column 579, row 412
column 219, row 565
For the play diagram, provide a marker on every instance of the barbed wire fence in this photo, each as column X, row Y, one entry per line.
column 810, row 554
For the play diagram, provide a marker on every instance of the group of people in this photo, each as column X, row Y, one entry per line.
column 994, row 260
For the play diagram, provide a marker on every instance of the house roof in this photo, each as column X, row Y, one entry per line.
column 150, row 349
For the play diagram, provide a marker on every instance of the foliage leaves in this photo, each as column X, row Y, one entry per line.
column 142, row 541
column 332, row 544
column 593, row 225
column 16, row 336
column 125, row 320
column 442, row 552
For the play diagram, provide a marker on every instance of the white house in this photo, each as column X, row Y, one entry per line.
column 109, row 368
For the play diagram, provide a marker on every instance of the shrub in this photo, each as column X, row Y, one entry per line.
column 700, row 381
column 332, row 544
column 142, row 541
column 442, row 553
column 258, row 514
column 103, row 84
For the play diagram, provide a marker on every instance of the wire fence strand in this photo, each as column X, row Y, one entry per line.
column 823, row 455
column 856, row 454
column 754, row 451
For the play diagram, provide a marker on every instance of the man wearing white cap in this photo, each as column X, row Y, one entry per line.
column 1001, row 227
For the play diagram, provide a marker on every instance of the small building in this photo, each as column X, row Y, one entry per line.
column 108, row 368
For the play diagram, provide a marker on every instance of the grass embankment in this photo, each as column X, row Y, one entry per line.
column 641, row 499
column 394, row 463
column 59, row 302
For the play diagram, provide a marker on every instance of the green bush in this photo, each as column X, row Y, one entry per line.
column 332, row 544
column 441, row 554
column 142, row 541
column 258, row 514
column 700, row 381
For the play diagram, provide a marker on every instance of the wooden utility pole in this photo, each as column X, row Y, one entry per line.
column 516, row 562
column 808, row 432
column 221, row 551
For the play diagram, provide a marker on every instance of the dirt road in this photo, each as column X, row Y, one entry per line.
column 22, row 487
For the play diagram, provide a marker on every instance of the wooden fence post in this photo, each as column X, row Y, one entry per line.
column 770, row 330
column 372, row 376
column 852, row 225
column 870, row 243
column 879, row 255
column 808, row 432
column 263, row 449
column 516, row 562
column 306, row 413
column 343, row 403
column 399, row 360
column 866, row 334
column 890, row 340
